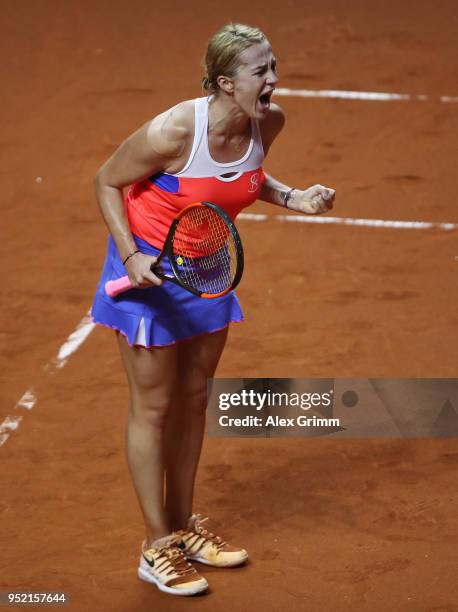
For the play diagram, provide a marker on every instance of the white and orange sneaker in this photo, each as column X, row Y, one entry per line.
column 203, row 546
column 164, row 565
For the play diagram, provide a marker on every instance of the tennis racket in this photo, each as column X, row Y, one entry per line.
column 204, row 250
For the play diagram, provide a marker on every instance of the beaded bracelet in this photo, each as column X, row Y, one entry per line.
column 129, row 256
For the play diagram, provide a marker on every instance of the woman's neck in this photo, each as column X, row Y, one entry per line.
column 225, row 118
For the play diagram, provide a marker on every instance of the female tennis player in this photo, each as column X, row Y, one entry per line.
column 207, row 149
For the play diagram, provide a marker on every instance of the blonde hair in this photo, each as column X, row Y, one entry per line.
column 223, row 49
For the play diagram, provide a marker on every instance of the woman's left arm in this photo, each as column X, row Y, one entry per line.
column 313, row 201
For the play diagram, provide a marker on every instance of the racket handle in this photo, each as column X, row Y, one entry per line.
column 115, row 287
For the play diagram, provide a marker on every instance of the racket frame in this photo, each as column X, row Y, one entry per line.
column 167, row 250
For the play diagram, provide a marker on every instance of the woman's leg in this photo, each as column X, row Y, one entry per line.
column 152, row 378
column 185, row 426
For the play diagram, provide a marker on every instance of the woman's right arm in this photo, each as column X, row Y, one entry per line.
column 147, row 151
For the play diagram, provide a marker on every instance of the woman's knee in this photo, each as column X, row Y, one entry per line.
column 150, row 406
column 152, row 378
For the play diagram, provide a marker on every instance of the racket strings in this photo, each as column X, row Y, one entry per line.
column 205, row 251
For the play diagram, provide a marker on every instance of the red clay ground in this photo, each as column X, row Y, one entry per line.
column 330, row 524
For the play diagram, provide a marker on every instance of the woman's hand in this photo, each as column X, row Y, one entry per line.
column 139, row 270
column 313, row 201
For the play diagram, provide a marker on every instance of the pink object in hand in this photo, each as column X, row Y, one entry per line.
column 115, row 287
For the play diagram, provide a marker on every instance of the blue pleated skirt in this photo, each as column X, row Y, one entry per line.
column 164, row 314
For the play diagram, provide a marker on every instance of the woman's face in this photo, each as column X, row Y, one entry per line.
column 255, row 80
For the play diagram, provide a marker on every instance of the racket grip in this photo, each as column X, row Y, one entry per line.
column 115, row 287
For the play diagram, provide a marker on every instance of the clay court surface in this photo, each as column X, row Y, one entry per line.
column 330, row 524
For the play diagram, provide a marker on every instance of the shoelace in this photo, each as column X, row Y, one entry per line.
column 208, row 535
column 176, row 560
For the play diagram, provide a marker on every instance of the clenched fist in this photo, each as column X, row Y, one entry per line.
column 313, row 201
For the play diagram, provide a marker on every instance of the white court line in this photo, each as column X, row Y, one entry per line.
column 252, row 217
column 358, row 95
column 73, row 342
column 29, row 400
column 9, row 424
column 349, row 221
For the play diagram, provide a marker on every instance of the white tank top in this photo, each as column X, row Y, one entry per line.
column 200, row 163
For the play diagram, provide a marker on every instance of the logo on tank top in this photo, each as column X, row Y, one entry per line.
column 254, row 182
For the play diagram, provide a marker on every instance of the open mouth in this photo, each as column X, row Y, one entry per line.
column 264, row 99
